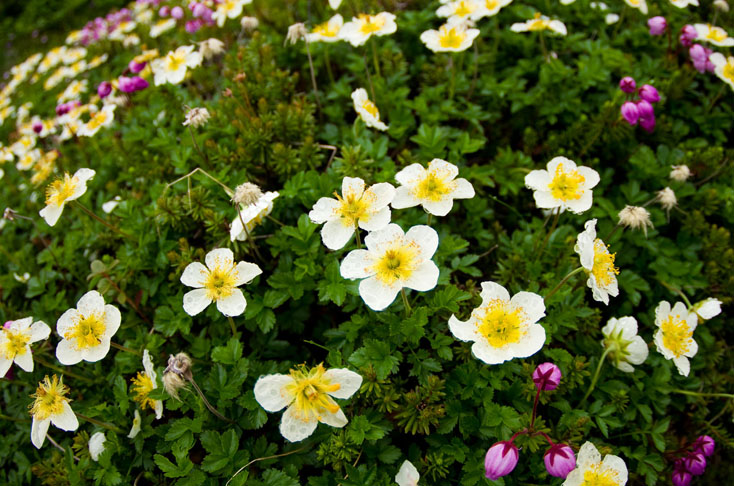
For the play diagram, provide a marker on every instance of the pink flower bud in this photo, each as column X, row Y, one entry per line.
column 559, row 460
column 695, row 463
column 681, row 477
column 199, row 10
column 687, row 35
column 627, row 84
column 104, row 89
column 37, row 127
column 648, row 124
column 136, row 67
column 705, row 445
column 547, row 376
column 164, row 11
column 193, row 25
column 500, row 460
column 649, row 93
column 630, row 112
column 645, row 109
column 62, row 109
column 177, row 12
column 130, row 85
column 657, row 25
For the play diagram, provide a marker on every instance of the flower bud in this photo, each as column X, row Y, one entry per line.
column 657, row 25
column 176, row 373
column 130, row 85
column 649, row 93
column 547, row 376
column 645, row 109
column 249, row 23
column 192, row 26
column 177, row 12
column 681, row 477
column 37, row 126
column 648, row 124
column 627, row 84
column 695, row 463
column 705, row 444
column 104, row 89
column 500, row 460
column 559, row 460
column 687, row 35
column 164, row 11
column 295, row 33
column 136, row 67
column 199, row 10
column 630, row 112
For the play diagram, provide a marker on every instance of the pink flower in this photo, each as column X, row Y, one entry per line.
column 130, row 85
column 681, row 477
column 649, row 93
column 37, row 126
column 501, row 460
column 164, row 11
column 627, row 84
column 559, row 460
column 705, row 445
column 630, row 112
column 657, row 25
column 547, row 376
column 136, row 67
column 695, row 463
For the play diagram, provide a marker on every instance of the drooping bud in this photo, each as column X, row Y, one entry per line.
column 681, row 477
column 649, row 93
column 630, row 112
column 687, row 35
column 136, row 67
column 635, row 217
column 657, row 25
column 500, row 460
column 705, row 310
column 104, row 89
column 176, row 373
column 695, row 463
column 295, row 33
column 627, row 84
column 721, row 5
column 559, row 460
column 247, row 194
column 706, row 444
column 249, row 23
column 547, row 376
column 211, row 48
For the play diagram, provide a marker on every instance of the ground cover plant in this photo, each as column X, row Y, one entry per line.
column 369, row 243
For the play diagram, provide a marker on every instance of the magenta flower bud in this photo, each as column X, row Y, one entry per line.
column 136, row 67
column 547, row 376
column 130, row 85
column 649, row 93
column 37, row 127
column 687, row 35
column 164, row 11
column 627, row 84
column 500, row 460
column 695, row 463
column 559, row 460
column 657, row 25
column 104, row 89
column 193, row 25
column 681, row 477
column 648, row 124
column 177, row 12
column 698, row 52
column 705, row 445
column 645, row 109
column 191, row 5
column 199, row 10
column 62, row 109
column 630, row 112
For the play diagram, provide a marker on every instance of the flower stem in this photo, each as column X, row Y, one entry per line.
column 560, row 284
column 198, row 149
column 206, row 402
column 556, row 217
column 356, row 233
column 232, row 326
column 701, row 394
column 109, row 225
column 264, row 459
column 375, row 59
column 327, row 61
column 63, row 371
column 313, row 76
column 596, row 375
column 535, row 408
column 430, row 217
column 250, row 241
column 126, row 349
column 405, row 301
column 677, row 291
column 100, row 423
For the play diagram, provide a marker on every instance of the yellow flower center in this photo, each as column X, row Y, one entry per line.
column 49, row 398
column 352, row 209
column 728, row 71
column 596, row 477
column 87, row 331
column 433, row 187
column 220, row 283
column 537, row 23
column 676, row 335
column 370, row 108
column 603, row 269
column 566, row 185
column 60, row 190
column 716, row 34
column 310, row 389
column 326, row 30
column 174, row 61
column 229, row 5
column 464, row 8
column 450, row 38
column 634, row 3
column 500, row 324
column 15, row 344
column 370, row 24
column 397, row 263
column 492, row 4
column 97, row 120
column 142, row 385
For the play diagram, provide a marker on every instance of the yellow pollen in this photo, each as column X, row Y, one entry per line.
column 352, row 210
column 326, row 30
column 634, row 2
column 716, row 34
column 492, row 4
column 728, row 71
column 229, row 5
column 142, row 385
column 220, row 283
column 370, row 108
column 676, row 335
column 15, row 344
column 87, row 331
column 434, row 186
column 97, row 120
column 310, row 389
column 594, row 476
column 464, row 8
column 60, row 190
column 397, row 263
column 49, row 398
column 566, row 185
column 370, row 24
column 174, row 61
column 500, row 324
column 603, row 269
column 537, row 23
column 450, row 38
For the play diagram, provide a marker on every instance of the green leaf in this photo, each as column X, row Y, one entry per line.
column 378, row 354
column 228, row 354
column 171, row 470
column 221, row 449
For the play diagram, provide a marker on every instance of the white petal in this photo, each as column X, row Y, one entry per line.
column 293, row 429
column 464, row 189
column 135, row 430
column 376, row 240
column 578, row 206
column 51, row 213
column 335, row 234
column 637, row 351
column 352, row 186
column 410, row 175
column 692, row 349
column 377, row 295
column 407, row 475
column 445, row 170
column 5, row 365
column 112, row 320
column 532, row 305
column 488, row 354
column 66, row 321
column 591, row 177
column 348, row 380
column 538, row 180
column 337, row 419
column 234, row 305
column 438, row 208
column 384, row 193
column 545, row 200
column 423, row 278
column 219, row 257
column 39, row 331
column 357, row 264
column 404, row 198
column 96, row 353
column 324, row 210
column 148, row 365
column 617, row 465
column 709, row 308
column 425, row 237
column 271, row 392
column 194, row 275
column 492, row 291
column 531, row 343
column 462, row 330
column 196, row 301
column 628, row 326
column 158, row 408
column 376, row 221
column 588, row 455
column 91, row 303
column 25, row 360
column 67, row 353
column 683, row 365
column 66, row 420
column 246, row 273
column 39, row 428
column 661, row 312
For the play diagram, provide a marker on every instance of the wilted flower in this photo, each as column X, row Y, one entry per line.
column 434, row 188
column 666, row 198
column 309, row 395
column 407, row 475
column 177, row 373
column 295, row 33
column 364, row 26
column 196, row 117
column 590, row 469
column 657, row 25
column 247, row 194
column 144, row 383
column 96, row 445
column 87, row 330
column 211, row 48
column 367, row 110
column 500, row 460
column 547, row 376
column 598, row 263
column 249, row 23
column 674, row 338
column 563, row 185
column 680, row 173
column 137, row 422
column 63, row 190
column 624, row 346
column 635, row 217
column 51, row 406
column 502, row 328
column 559, row 460
column 16, row 338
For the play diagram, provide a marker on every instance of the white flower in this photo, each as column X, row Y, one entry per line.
column 449, row 38
column 87, row 330
column 210, row 48
column 393, row 260
column 110, row 205
column 680, row 173
column 461, row 10
column 626, row 348
column 364, row 26
column 162, row 26
column 715, row 35
column 407, row 475
column 598, row 263
column 218, row 281
column 563, row 185
column 674, row 339
column 684, row 3
column 502, row 328
column 334, row 4
column 16, row 338
column 249, row 23
column 251, row 216
column 96, row 445
column 229, row 9
column 103, row 118
column 705, row 310
column 196, row 117
column 635, row 217
column 63, row 190
column 328, row 31
column 355, row 208
column 172, row 68
column 137, row 422
column 590, row 469
column 723, row 67
column 434, row 188
column 539, row 22
column 721, row 5
column 492, row 7
column 309, row 396
column 144, row 383
column 640, row 5
column 51, row 407
column 611, row 18
column 22, row 278
column 367, row 110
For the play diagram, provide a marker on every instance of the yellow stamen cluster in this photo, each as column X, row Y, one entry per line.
column 728, row 71
column 310, row 389
column 676, row 335
column 49, row 398
column 97, row 120
column 433, row 187
column 142, row 385
column 537, row 23
column 464, row 8
column 566, row 185
column 326, row 30
column 397, row 263
column 450, row 38
column 220, row 283
column 596, row 477
column 15, row 344
column 87, row 331
column 174, row 61
column 716, row 34
column 603, row 269
column 61, row 189
column 370, row 108
column 352, row 209
column 499, row 323
column 370, row 24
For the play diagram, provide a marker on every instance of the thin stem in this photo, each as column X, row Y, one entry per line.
column 95, row 217
column 327, row 61
column 250, row 241
column 56, row 445
column 556, row 217
column 701, row 394
column 232, row 326
column 100, row 423
column 206, row 402
column 430, row 217
column 547, row 437
column 356, row 233
column 227, row 190
column 127, row 299
column 198, row 149
column 596, row 375
column 677, row 291
column 560, row 284
column 614, row 230
column 313, row 76
column 264, row 459
column 13, row 419
column 279, row 223
column 63, row 371
column 452, row 85
column 535, row 408
column 369, row 78
column 126, row 349
column 405, row 301
column 375, row 59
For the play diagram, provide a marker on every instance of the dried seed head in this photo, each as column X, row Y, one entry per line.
column 667, row 199
column 635, row 217
column 177, row 373
column 249, row 23
column 247, row 194
column 197, row 117
column 680, row 173
column 9, row 214
column 211, row 48
column 721, row 5
column 296, row 32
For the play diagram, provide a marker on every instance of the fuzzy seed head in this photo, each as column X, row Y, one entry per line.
column 176, row 373
column 247, row 194
column 721, row 5
column 667, row 199
column 635, row 217
column 249, row 23
column 680, row 173
column 296, row 32
column 197, row 117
